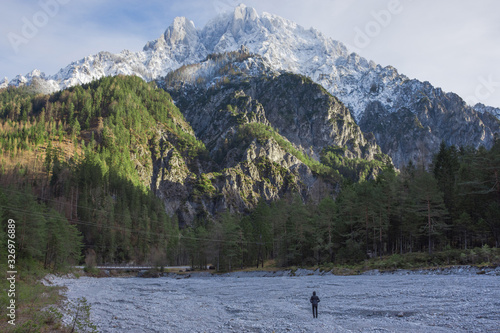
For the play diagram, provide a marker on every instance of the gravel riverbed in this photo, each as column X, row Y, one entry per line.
column 460, row 301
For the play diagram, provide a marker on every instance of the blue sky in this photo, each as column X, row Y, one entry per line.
column 453, row 44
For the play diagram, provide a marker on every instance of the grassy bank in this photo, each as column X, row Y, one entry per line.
column 35, row 303
column 479, row 257
column 38, row 306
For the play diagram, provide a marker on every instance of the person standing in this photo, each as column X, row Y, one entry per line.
column 314, row 301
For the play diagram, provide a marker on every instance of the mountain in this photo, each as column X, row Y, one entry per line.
column 243, row 135
column 414, row 132
column 363, row 86
column 481, row 108
column 267, row 133
column 4, row 83
column 115, row 166
column 248, row 90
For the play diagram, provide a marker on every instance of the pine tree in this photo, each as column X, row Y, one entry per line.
column 428, row 204
column 463, row 225
column 351, row 225
column 366, row 209
column 446, row 166
column 75, row 128
column 262, row 231
column 232, row 239
column 327, row 231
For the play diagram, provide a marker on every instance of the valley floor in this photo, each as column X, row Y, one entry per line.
column 460, row 301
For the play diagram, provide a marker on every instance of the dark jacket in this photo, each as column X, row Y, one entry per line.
column 314, row 299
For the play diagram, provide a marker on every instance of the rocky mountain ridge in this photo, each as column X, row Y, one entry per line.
column 266, row 134
column 247, row 90
column 415, row 132
column 358, row 83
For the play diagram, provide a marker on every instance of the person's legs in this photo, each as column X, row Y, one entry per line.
column 315, row 311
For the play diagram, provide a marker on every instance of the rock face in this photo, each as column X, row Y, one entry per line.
column 361, row 85
column 481, row 108
column 264, row 132
column 252, row 172
column 416, row 131
column 298, row 109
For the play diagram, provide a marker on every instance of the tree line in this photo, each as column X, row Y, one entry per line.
column 72, row 172
column 452, row 204
column 79, row 153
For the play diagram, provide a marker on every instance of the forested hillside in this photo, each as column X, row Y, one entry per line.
column 454, row 206
column 81, row 171
column 84, row 152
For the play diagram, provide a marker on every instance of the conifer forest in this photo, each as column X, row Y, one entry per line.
column 75, row 174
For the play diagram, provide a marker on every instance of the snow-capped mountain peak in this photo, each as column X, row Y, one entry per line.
column 181, row 32
column 283, row 43
column 362, row 85
column 244, row 20
column 4, row 83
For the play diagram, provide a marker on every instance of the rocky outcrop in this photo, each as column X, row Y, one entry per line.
column 169, row 179
column 263, row 130
column 298, row 109
column 481, row 108
column 415, row 132
column 264, row 172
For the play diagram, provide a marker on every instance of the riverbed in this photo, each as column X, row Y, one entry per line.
column 280, row 303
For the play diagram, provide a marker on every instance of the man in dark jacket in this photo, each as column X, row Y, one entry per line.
column 314, row 301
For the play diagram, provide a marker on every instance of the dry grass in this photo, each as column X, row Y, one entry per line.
column 33, row 313
column 27, row 166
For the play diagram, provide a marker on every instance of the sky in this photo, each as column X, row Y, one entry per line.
column 454, row 44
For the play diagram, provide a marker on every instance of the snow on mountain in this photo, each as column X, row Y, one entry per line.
column 22, row 80
column 285, row 45
column 481, row 108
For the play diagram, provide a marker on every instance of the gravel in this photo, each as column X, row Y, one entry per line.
column 402, row 301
